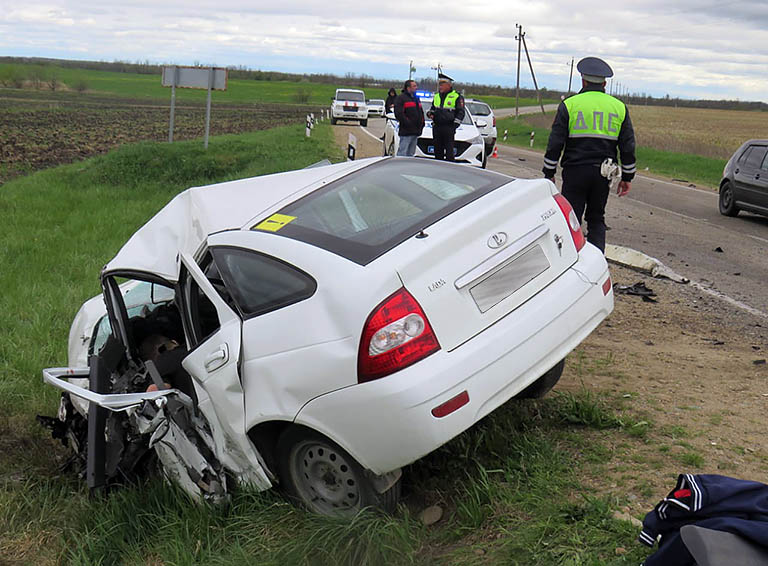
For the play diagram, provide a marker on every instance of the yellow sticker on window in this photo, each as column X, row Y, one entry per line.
column 274, row 222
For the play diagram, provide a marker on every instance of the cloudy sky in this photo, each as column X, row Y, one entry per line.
column 688, row 48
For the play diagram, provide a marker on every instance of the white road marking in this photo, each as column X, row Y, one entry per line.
column 377, row 138
column 730, row 300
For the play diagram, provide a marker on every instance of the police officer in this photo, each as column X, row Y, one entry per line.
column 446, row 112
column 590, row 126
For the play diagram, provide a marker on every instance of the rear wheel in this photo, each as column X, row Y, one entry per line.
column 364, row 123
column 485, row 159
column 542, row 386
column 333, row 121
column 324, row 478
column 391, row 150
column 726, row 202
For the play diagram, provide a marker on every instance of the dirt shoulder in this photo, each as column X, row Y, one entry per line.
column 691, row 367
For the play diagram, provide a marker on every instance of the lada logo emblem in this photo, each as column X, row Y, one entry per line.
column 497, row 240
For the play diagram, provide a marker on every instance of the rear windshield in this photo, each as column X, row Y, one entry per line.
column 479, row 108
column 367, row 213
column 350, row 95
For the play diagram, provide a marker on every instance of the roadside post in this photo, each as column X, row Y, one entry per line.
column 312, row 120
column 505, row 135
column 209, row 78
column 532, row 136
column 351, row 147
column 308, row 131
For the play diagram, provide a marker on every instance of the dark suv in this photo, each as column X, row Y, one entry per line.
column 745, row 180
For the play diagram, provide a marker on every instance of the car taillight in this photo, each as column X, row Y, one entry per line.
column 396, row 335
column 573, row 222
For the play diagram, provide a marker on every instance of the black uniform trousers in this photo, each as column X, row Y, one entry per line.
column 585, row 187
column 442, row 136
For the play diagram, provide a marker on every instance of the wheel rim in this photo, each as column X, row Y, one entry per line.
column 727, row 196
column 324, row 478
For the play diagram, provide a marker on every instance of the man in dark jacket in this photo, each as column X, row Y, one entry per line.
column 447, row 113
column 588, row 128
column 410, row 118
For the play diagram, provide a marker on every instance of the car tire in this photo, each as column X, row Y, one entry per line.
column 364, row 123
column 333, row 121
column 322, row 477
column 727, row 202
column 485, row 160
column 544, row 384
column 391, row 150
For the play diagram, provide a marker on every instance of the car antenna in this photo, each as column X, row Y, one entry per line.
column 422, row 234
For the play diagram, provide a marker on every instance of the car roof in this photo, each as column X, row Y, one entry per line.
column 185, row 222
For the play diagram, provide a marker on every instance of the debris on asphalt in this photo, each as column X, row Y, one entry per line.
column 719, row 250
column 759, row 362
column 638, row 289
column 431, row 515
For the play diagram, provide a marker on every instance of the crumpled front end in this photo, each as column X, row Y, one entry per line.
column 138, row 431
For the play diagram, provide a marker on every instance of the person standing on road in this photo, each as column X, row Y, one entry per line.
column 447, row 113
column 390, row 101
column 591, row 125
column 410, row 118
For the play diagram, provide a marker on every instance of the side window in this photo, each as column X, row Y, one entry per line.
column 764, row 166
column 259, row 283
column 755, row 157
column 745, row 154
column 202, row 312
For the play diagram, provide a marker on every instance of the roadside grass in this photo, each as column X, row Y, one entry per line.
column 512, row 487
column 680, row 166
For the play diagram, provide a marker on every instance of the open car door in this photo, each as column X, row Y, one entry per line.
column 214, row 338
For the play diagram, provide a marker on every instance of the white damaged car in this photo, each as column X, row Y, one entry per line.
column 469, row 145
column 321, row 329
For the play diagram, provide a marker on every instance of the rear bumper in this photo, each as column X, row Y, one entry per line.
column 387, row 423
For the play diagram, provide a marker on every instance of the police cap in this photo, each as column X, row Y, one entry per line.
column 443, row 78
column 594, row 69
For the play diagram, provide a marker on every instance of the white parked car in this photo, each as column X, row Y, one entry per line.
column 469, row 145
column 349, row 104
column 485, row 120
column 323, row 328
column 375, row 107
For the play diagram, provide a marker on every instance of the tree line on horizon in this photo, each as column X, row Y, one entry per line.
column 38, row 76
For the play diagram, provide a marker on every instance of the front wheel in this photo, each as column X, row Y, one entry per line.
column 364, row 123
column 541, row 386
column 333, row 121
column 727, row 202
column 324, row 478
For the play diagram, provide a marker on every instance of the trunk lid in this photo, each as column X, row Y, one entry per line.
column 485, row 260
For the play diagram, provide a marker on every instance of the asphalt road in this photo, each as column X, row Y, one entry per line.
column 674, row 222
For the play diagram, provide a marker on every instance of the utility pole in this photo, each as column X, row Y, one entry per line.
column 411, row 70
column 439, row 69
column 519, row 39
column 535, row 85
column 570, row 77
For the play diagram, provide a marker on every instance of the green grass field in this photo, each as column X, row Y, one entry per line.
column 239, row 91
column 512, row 487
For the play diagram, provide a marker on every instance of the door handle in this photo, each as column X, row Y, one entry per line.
column 736, row 170
column 217, row 358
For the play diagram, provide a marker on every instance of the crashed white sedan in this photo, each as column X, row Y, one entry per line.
column 323, row 328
